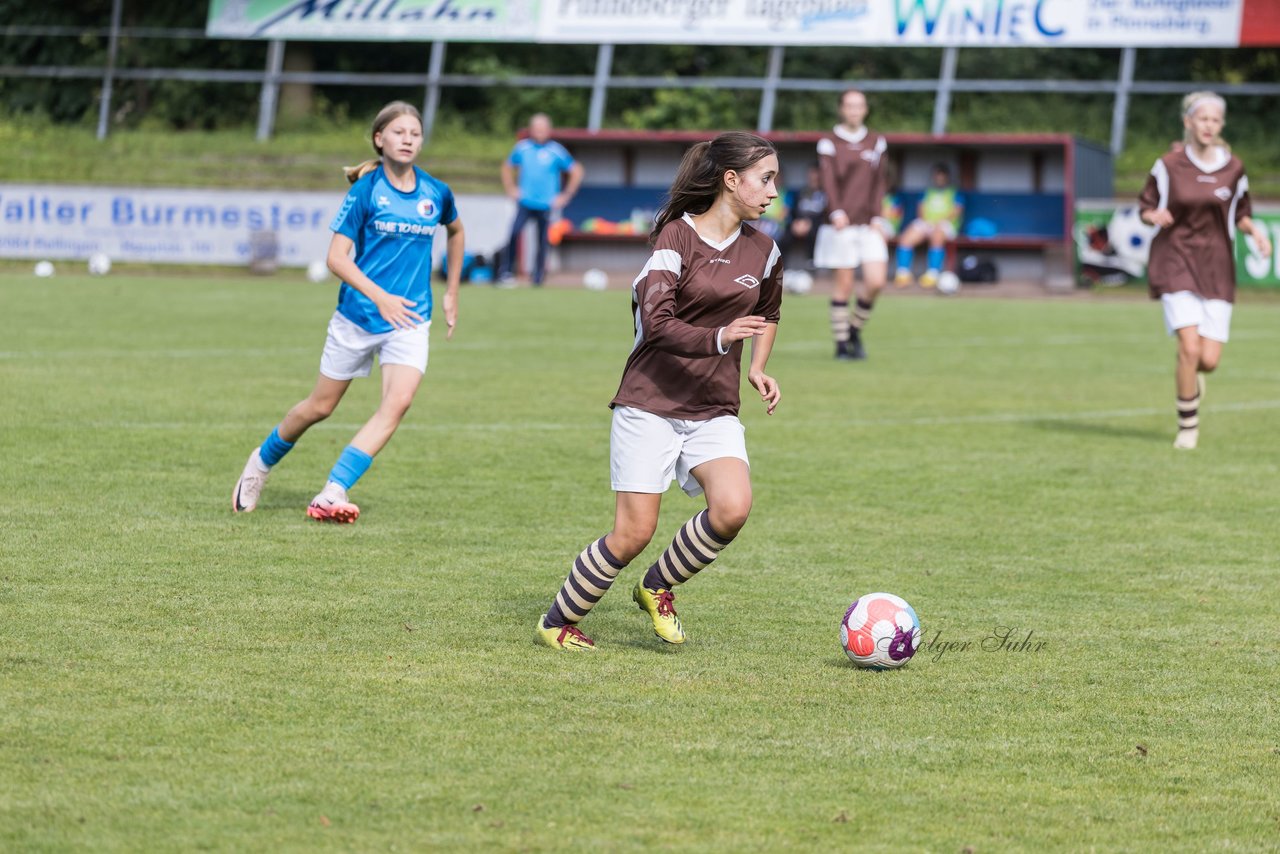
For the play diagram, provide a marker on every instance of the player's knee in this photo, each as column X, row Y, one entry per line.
column 1189, row 351
column 1209, row 362
column 396, row 405
column 627, row 540
column 318, row 409
column 728, row 517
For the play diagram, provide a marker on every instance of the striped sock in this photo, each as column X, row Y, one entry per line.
column 861, row 314
column 840, row 321
column 1189, row 413
column 592, row 575
column 692, row 550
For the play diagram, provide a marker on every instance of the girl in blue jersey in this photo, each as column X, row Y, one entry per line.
column 384, row 308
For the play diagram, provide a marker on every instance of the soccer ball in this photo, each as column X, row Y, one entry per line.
column 1130, row 238
column 595, row 279
column 948, row 283
column 880, row 631
column 797, row 281
column 44, row 269
column 317, row 271
column 99, row 264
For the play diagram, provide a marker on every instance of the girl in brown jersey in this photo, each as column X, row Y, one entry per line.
column 1198, row 195
column 712, row 282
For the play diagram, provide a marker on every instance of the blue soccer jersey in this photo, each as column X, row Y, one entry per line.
column 540, row 168
column 392, row 231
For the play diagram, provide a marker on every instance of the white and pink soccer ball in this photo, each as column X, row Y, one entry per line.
column 880, row 631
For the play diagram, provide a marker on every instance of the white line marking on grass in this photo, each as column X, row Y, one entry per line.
column 196, row 353
column 1026, row 417
column 1070, row 340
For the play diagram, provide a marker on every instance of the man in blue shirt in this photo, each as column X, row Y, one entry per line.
column 539, row 161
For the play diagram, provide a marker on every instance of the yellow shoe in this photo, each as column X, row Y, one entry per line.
column 661, row 607
column 564, row 638
column 902, row 278
column 929, row 279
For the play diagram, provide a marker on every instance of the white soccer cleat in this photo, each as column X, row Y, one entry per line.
column 1186, row 439
column 249, row 487
column 331, row 505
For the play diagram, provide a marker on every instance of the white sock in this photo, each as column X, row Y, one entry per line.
column 256, row 459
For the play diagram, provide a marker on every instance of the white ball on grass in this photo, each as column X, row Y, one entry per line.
column 317, row 271
column 44, row 269
column 99, row 264
column 797, row 281
column 595, row 279
column 948, row 283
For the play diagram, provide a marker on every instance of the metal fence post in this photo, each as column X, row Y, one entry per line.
column 432, row 102
column 1120, row 115
column 600, row 87
column 270, row 89
column 946, row 77
column 769, row 95
column 108, row 75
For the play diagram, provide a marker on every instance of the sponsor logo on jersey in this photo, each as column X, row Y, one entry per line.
column 426, row 208
column 719, row 260
column 748, row 281
column 1223, row 193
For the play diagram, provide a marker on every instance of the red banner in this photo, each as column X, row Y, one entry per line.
column 1260, row 23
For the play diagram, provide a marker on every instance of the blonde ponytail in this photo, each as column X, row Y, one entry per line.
column 355, row 173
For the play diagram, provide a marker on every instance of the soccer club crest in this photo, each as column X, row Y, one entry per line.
column 426, row 208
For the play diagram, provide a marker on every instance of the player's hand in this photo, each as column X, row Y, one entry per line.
column 742, row 328
column 768, row 388
column 559, row 202
column 840, row 219
column 397, row 311
column 1160, row 217
column 450, row 312
column 1261, row 241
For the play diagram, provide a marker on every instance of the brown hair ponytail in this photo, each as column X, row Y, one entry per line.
column 700, row 178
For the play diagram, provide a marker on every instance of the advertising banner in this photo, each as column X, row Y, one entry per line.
column 375, row 20
column 170, row 226
column 1113, row 244
column 907, row 23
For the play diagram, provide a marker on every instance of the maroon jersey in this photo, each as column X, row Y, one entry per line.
column 687, row 292
column 852, row 173
column 1196, row 253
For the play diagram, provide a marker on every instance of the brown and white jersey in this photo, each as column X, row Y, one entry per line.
column 687, row 292
column 1197, row 252
column 852, row 167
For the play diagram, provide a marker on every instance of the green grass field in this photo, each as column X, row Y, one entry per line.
column 173, row 677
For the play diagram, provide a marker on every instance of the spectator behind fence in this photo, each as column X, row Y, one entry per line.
column 807, row 208
column 937, row 221
column 531, row 176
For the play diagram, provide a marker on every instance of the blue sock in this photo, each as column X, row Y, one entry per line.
column 350, row 466
column 904, row 258
column 937, row 257
column 274, row 448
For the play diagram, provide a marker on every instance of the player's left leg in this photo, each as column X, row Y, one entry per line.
column 1188, row 387
column 399, row 385
column 875, row 271
column 937, row 256
column 541, row 221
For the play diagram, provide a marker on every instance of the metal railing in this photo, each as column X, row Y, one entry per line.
column 434, row 79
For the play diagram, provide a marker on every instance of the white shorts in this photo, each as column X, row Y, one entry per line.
column 349, row 350
column 1184, row 308
column 946, row 226
column 647, row 451
column 848, row 247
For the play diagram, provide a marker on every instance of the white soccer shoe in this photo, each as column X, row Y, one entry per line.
column 1186, row 439
column 331, row 505
column 249, row 486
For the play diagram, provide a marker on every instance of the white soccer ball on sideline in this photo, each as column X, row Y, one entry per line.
column 317, row 271
column 44, row 269
column 880, row 631
column 797, row 281
column 1131, row 238
column 99, row 264
column 595, row 279
column 948, row 283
